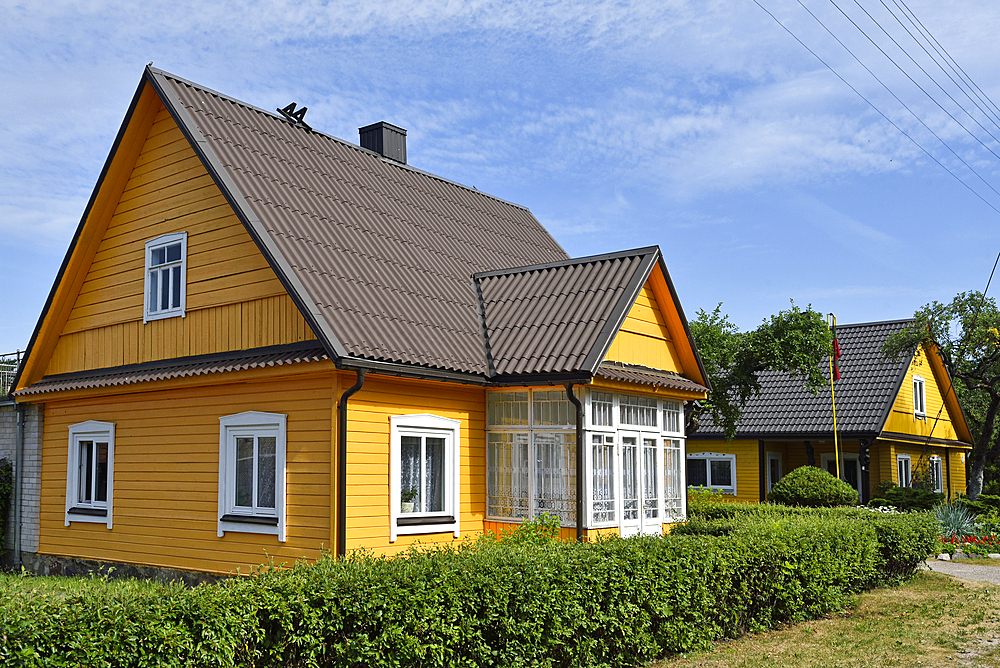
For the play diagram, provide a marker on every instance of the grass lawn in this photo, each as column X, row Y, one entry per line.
column 932, row 621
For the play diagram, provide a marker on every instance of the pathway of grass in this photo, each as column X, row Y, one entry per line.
column 934, row 620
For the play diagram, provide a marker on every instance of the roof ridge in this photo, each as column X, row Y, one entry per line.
column 634, row 252
column 877, row 322
column 400, row 165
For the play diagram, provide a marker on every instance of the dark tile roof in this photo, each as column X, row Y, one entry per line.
column 559, row 317
column 865, row 391
column 644, row 375
column 384, row 252
column 181, row 367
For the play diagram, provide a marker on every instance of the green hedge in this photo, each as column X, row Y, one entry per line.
column 506, row 602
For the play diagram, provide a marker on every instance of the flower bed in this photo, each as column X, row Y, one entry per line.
column 978, row 545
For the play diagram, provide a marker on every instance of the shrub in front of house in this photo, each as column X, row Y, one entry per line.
column 813, row 487
column 907, row 498
column 515, row 600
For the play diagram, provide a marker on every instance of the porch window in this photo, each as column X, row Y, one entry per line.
column 903, row 477
column 507, row 409
column 252, row 473
column 601, row 405
column 552, row 408
column 712, row 470
column 673, row 488
column 555, row 474
column 507, row 486
column 90, row 473
column 919, row 398
column 650, row 479
column 166, row 269
column 639, row 411
column 423, row 475
column 603, row 465
column 672, row 417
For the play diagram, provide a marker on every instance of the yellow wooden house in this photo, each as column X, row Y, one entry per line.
column 897, row 420
column 265, row 342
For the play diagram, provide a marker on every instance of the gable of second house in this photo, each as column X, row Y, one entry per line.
column 937, row 420
column 234, row 300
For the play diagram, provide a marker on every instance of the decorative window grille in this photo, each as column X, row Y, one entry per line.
column 508, row 486
column 507, row 408
column 601, row 405
column 630, row 478
column 552, row 408
column 919, row 397
column 603, row 465
column 672, row 417
column 555, row 474
column 650, row 475
column 640, row 411
column 673, row 488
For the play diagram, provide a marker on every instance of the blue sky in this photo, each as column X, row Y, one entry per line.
column 699, row 126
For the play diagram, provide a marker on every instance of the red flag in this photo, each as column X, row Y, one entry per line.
column 836, row 355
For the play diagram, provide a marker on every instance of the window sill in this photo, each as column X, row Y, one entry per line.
column 150, row 317
column 250, row 519
column 88, row 512
column 424, row 520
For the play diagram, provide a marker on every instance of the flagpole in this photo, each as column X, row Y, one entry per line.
column 833, row 399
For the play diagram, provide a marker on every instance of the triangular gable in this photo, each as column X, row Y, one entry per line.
column 944, row 418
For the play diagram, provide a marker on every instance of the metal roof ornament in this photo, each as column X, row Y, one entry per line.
column 297, row 117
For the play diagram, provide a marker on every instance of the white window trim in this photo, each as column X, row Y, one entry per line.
column 920, row 415
column 781, row 465
column 936, row 459
column 909, row 468
column 731, row 489
column 165, row 240
column 429, row 425
column 227, row 471
column 91, row 429
column 680, row 421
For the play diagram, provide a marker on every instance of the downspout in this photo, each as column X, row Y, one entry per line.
column 18, row 477
column 342, row 462
column 579, row 460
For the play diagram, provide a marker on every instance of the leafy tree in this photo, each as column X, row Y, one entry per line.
column 965, row 336
column 795, row 341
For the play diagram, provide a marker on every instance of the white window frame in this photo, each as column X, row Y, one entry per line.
column 919, row 392
column 771, row 455
column 425, row 424
column 725, row 489
column 937, row 473
column 909, row 471
column 675, row 445
column 680, row 417
column 75, row 512
column 254, row 423
column 151, row 245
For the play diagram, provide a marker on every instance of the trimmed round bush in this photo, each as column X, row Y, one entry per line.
column 813, row 487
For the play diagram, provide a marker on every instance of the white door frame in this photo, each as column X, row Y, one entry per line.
column 767, row 466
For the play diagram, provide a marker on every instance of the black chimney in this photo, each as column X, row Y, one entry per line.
column 385, row 139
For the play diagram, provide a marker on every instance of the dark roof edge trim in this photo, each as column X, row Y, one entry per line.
column 621, row 310
column 876, row 322
column 79, row 231
column 227, row 356
column 253, row 225
column 897, row 385
column 567, row 263
column 913, row 438
column 684, row 323
column 783, row 436
column 542, row 379
column 388, row 161
column 411, row 371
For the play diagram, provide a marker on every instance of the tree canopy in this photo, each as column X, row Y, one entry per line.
column 795, row 341
column 966, row 335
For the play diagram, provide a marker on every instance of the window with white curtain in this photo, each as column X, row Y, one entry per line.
column 672, row 415
column 555, row 474
column 508, row 488
column 639, row 411
column 603, row 483
column 423, row 475
column 166, row 276
column 252, row 473
column 650, row 479
column 601, row 405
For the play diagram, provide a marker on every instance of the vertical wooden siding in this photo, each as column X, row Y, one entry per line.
column 234, row 299
column 902, row 420
column 368, row 455
column 166, row 474
column 644, row 338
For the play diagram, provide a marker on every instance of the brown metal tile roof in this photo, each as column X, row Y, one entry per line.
column 182, row 367
column 384, row 252
column 559, row 317
column 644, row 375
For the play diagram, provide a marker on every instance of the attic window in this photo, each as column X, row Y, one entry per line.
column 919, row 398
column 166, row 276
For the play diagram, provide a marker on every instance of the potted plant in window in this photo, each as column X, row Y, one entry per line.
column 407, row 497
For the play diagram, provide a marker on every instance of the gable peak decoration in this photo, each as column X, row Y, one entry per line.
column 296, row 116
